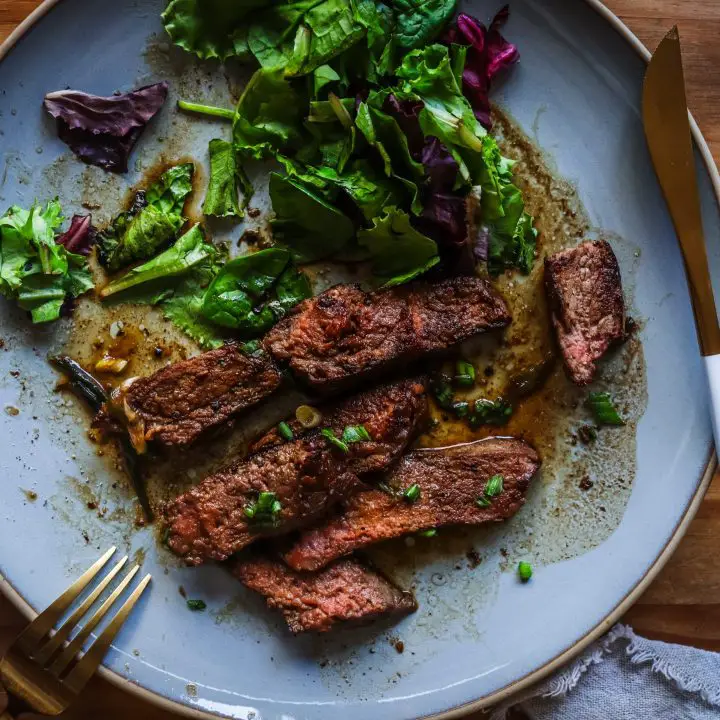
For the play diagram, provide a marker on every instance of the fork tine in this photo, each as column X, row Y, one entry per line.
column 67, row 655
column 44, row 622
column 89, row 662
column 48, row 650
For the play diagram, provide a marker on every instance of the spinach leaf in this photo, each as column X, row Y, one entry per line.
column 399, row 252
column 35, row 270
column 305, row 223
column 251, row 293
column 421, row 21
column 322, row 77
column 222, row 195
column 210, row 28
column 302, row 36
column 152, row 222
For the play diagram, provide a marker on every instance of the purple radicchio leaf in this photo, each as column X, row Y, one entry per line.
column 406, row 114
column 80, row 236
column 481, row 244
column 103, row 131
column 488, row 53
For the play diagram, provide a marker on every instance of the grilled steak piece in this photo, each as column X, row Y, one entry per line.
column 586, row 301
column 177, row 404
column 392, row 414
column 345, row 592
column 308, row 476
column 451, row 481
column 344, row 335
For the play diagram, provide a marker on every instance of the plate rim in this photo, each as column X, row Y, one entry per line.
column 517, row 686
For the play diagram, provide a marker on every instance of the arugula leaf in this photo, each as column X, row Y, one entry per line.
column 152, row 222
column 253, row 292
column 305, row 223
column 210, row 28
column 421, row 21
column 222, row 195
column 399, row 252
column 35, row 270
column 604, row 410
column 302, row 36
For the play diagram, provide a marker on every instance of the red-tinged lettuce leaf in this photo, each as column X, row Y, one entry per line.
column 103, row 131
column 80, row 236
column 406, row 114
column 488, row 53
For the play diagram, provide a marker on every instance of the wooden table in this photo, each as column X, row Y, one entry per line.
column 683, row 605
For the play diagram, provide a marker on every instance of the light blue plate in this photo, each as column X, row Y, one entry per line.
column 578, row 89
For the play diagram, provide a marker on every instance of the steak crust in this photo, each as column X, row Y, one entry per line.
column 308, row 475
column 345, row 335
column 451, row 480
column 176, row 405
column 585, row 295
column 345, row 592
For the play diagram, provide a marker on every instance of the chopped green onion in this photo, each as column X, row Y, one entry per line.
column 196, row 605
column 432, row 532
column 464, row 373
column 355, row 434
column 483, row 502
column 285, row 431
column 525, row 571
column 487, row 412
column 461, row 409
column 442, row 390
column 412, row 494
column 265, row 509
column 494, row 486
column 330, row 436
column 252, row 348
column 308, row 417
column 604, row 409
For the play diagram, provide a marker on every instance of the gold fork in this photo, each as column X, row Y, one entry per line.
column 47, row 674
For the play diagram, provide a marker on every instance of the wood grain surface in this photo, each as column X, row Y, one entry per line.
column 683, row 604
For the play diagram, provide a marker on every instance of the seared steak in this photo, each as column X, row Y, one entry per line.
column 347, row 591
column 586, row 301
column 344, row 335
column 392, row 415
column 177, row 404
column 451, row 482
column 307, row 475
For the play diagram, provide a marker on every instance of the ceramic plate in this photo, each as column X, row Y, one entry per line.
column 479, row 633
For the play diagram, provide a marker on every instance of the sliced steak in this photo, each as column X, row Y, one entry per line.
column 344, row 335
column 451, row 481
column 586, row 302
column 176, row 405
column 392, row 414
column 345, row 592
column 308, row 476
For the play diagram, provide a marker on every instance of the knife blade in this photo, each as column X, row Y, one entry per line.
column 667, row 129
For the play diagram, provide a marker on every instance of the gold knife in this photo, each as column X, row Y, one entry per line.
column 667, row 129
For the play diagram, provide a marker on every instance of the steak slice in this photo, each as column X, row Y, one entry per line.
column 344, row 335
column 176, row 405
column 345, row 592
column 586, row 303
column 451, row 480
column 392, row 414
column 308, row 476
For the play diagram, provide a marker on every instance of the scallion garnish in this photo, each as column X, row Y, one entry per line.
column 432, row 532
column 333, row 439
column 464, row 373
column 265, row 509
column 355, row 434
column 285, row 431
column 196, row 605
column 412, row 494
column 604, row 409
column 483, row 502
column 525, row 571
column 494, row 486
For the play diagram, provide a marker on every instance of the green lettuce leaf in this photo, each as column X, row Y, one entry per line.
column 222, row 198
column 251, row 293
column 299, row 37
column 399, row 252
column 419, row 22
column 151, row 224
column 34, row 270
column 305, row 223
column 210, row 28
